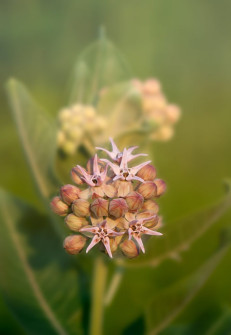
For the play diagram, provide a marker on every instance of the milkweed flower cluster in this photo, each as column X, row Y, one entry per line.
column 75, row 123
column 157, row 112
column 113, row 203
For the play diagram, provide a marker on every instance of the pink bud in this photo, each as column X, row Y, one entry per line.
column 129, row 249
column 161, row 186
column 134, row 201
column 118, row 207
column 152, row 222
column 147, row 189
column 74, row 244
column 59, row 207
column 99, row 207
column 75, row 223
column 147, row 173
column 69, row 193
column 150, row 205
column 76, row 176
column 81, row 207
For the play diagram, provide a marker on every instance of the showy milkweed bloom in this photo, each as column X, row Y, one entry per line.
column 113, row 203
column 158, row 114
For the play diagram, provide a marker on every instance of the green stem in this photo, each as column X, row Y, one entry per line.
column 114, row 285
column 98, row 288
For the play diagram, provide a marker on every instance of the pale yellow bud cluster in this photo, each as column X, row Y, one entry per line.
column 158, row 114
column 75, row 123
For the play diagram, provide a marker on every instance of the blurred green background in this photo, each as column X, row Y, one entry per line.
column 186, row 45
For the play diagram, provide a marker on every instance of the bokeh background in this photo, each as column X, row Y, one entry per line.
column 186, row 45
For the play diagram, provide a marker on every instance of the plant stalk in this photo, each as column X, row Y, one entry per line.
column 97, row 306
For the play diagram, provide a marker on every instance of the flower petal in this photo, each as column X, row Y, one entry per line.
column 94, row 241
column 106, row 243
column 135, row 169
column 148, row 231
column 139, row 241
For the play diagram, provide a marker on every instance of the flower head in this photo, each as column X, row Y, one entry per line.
column 101, row 233
column 116, row 155
column 97, row 178
column 122, row 171
column 137, row 229
column 111, row 207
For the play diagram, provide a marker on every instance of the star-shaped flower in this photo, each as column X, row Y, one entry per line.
column 116, row 154
column 122, row 171
column 101, row 233
column 137, row 229
column 97, row 178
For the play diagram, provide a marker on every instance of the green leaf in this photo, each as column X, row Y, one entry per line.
column 38, row 281
column 37, row 133
column 222, row 324
column 182, row 234
column 99, row 66
column 168, row 304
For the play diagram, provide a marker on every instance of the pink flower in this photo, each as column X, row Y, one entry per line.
column 97, row 178
column 116, row 154
column 122, row 171
column 137, row 229
column 101, row 233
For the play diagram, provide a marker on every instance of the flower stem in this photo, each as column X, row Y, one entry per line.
column 114, row 285
column 98, row 288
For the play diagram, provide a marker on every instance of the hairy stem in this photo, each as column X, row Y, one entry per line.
column 98, row 288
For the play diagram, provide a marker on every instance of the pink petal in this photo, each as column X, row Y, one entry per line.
column 114, row 147
column 107, row 246
column 110, row 154
column 94, row 241
column 139, row 241
column 150, row 232
column 95, row 166
column 130, row 233
column 135, row 178
column 135, row 169
column 114, row 233
column 114, row 167
column 93, row 230
column 124, row 162
column 130, row 157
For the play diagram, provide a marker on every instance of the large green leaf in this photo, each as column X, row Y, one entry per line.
column 38, row 280
column 37, row 132
column 99, row 66
column 169, row 303
column 182, row 234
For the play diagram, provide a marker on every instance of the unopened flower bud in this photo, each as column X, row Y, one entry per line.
column 118, row 207
column 74, row 244
column 164, row 133
column 129, row 249
column 161, row 186
column 134, row 201
column 99, row 207
column 147, row 173
column 172, row 113
column 69, row 193
column 151, row 86
column 75, row 223
column 150, row 205
column 59, row 207
column 147, row 189
column 75, row 175
column 81, row 207
column 152, row 222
